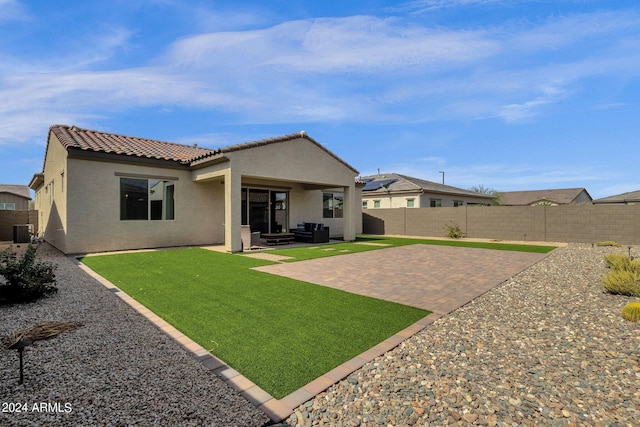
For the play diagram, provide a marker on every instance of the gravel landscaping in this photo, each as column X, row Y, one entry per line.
column 115, row 370
column 547, row 347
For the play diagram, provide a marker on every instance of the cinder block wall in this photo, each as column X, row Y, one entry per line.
column 10, row 218
column 435, row 223
column 583, row 223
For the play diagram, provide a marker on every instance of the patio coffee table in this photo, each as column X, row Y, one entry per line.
column 278, row 238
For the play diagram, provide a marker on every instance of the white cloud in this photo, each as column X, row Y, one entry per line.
column 358, row 44
column 357, row 68
column 423, row 6
column 503, row 177
column 520, row 112
column 12, row 10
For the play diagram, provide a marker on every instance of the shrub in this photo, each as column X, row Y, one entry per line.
column 622, row 282
column 620, row 262
column 631, row 311
column 453, row 231
column 26, row 278
column 608, row 243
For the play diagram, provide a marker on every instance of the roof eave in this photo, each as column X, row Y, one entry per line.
column 77, row 153
column 36, row 181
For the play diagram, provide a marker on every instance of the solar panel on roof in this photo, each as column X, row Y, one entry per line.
column 375, row 185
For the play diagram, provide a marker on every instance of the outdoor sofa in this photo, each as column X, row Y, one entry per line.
column 311, row 232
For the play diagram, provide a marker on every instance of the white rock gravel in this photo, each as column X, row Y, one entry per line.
column 547, row 347
column 116, row 370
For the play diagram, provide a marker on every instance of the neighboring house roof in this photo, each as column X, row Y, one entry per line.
column 629, row 197
column 561, row 196
column 75, row 138
column 16, row 190
column 398, row 183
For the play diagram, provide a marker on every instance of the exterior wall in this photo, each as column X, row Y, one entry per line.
column 297, row 160
column 50, row 198
column 392, row 201
column 583, row 197
column 583, row 223
column 306, row 206
column 447, row 200
column 421, row 200
column 21, row 203
column 95, row 225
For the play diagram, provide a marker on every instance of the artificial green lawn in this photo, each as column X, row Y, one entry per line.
column 319, row 251
column 278, row 332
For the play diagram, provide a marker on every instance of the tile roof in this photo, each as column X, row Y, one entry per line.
column 75, row 138
column 17, row 190
column 629, row 197
column 560, row 196
column 408, row 183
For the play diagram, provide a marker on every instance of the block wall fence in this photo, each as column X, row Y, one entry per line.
column 10, row 218
column 581, row 223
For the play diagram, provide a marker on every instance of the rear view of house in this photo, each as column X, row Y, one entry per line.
column 101, row 192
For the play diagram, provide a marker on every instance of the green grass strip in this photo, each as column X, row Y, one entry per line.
column 278, row 332
column 370, row 243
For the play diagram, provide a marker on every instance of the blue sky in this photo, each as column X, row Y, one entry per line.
column 507, row 94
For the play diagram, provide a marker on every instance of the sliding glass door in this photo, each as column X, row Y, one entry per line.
column 279, row 212
column 265, row 211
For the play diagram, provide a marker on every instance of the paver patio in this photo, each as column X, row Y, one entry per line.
column 435, row 278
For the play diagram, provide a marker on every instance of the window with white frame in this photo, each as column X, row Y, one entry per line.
column 376, row 203
column 332, row 205
column 411, row 203
column 365, row 204
column 144, row 199
column 7, row 206
column 435, row 203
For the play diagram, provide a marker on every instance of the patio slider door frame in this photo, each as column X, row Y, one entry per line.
column 264, row 217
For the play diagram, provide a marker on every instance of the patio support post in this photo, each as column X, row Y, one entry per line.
column 232, row 211
column 349, row 221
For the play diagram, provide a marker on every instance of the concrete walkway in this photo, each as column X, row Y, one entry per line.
column 436, row 278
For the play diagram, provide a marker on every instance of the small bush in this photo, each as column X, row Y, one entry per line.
column 27, row 278
column 621, row 262
column 631, row 311
column 454, row 231
column 608, row 243
column 622, row 282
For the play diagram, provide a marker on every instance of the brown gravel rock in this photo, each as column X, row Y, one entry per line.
column 547, row 347
column 115, row 370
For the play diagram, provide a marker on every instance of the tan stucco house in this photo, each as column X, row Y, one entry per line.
column 394, row 190
column 14, row 197
column 104, row 192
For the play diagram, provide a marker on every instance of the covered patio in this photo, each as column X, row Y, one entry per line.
column 300, row 182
